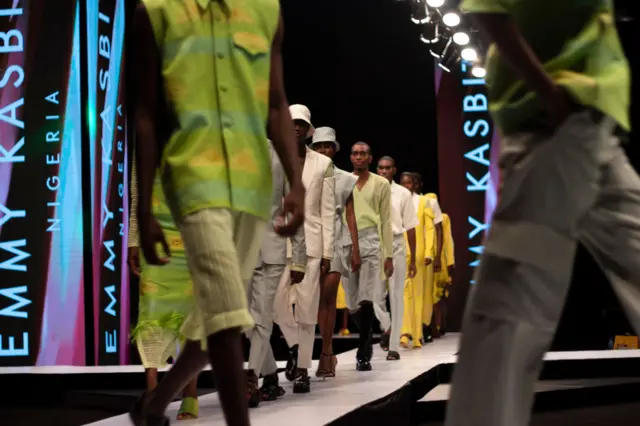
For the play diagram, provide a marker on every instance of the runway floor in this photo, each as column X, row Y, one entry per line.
column 332, row 398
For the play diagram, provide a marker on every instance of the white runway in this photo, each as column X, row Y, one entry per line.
column 332, row 398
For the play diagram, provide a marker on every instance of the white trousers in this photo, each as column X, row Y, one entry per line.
column 261, row 293
column 395, row 287
column 296, row 310
column 573, row 185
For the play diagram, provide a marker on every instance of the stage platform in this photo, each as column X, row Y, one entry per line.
column 414, row 390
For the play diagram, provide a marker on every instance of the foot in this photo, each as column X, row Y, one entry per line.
column 323, row 365
column 344, row 332
column 427, row 333
column 393, row 356
column 405, row 341
column 271, row 389
column 384, row 341
column 363, row 364
column 253, row 394
column 302, row 384
column 139, row 417
column 292, row 364
column 188, row 409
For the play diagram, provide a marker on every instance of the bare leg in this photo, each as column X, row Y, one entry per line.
column 345, row 319
column 192, row 389
column 327, row 312
column 227, row 362
column 189, row 364
column 151, row 374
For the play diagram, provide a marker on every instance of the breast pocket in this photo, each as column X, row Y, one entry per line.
column 253, row 46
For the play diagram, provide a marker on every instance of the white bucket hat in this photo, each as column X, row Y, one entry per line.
column 325, row 134
column 301, row 112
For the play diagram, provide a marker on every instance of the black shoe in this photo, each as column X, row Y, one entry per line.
column 426, row 332
column 363, row 364
column 384, row 342
column 139, row 418
column 271, row 389
column 292, row 364
column 393, row 356
column 253, row 393
column 302, row 384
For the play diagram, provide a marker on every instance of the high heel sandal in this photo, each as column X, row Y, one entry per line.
column 327, row 366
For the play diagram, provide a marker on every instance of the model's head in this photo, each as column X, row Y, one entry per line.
column 387, row 167
column 408, row 181
column 418, row 182
column 360, row 156
column 325, row 142
column 301, row 117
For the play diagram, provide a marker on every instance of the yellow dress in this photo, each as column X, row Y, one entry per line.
column 414, row 289
column 430, row 252
column 442, row 278
column 341, row 300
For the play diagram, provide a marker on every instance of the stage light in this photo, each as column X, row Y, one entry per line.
column 440, row 48
column 419, row 12
column 429, row 33
column 469, row 54
column 451, row 19
column 435, row 3
column 461, row 38
column 478, row 72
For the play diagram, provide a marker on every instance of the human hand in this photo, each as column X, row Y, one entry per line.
column 296, row 277
column 388, row 267
column 293, row 209
column 356, row 262
column 412, row 268
column 427, row 261
column 325, row 266
column 437, row 267
column 150, row 235
column 133, row 257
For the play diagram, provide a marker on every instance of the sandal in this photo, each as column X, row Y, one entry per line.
column 405, row 340
column 323, row 370
column 188, row 408
column 333, row 364
column 139, row 418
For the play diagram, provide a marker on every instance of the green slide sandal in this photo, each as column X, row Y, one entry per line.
column 188, row 409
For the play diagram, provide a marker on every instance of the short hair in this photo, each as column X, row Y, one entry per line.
column 409, row 175
column 387, row 158
column 366, row 145
column 417, row 177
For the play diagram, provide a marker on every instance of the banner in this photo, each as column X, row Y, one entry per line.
column 467, row 155
column 41, row 233
column 109, row 179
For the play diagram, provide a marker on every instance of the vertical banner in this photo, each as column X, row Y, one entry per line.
column 467, row 146
column 41, row 233
column 109, row 188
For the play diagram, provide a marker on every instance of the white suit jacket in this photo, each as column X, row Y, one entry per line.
column 320, row 205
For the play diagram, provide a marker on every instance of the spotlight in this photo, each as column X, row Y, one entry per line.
column 478, row 72
column 469, row 54
column 451, row 19
column 435, row 3
column 440, row 48
column 419, row 12
column 429, row 33
column 461, row 39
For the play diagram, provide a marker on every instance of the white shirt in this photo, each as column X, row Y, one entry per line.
column 403, row 213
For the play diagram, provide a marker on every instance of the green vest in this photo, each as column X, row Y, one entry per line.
column 216, row 58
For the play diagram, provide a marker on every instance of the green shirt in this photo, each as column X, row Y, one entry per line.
column 216, row 58
column 576, row 41
column 372, row 206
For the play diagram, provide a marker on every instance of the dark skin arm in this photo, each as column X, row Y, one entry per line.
column 284, row 140
column 502, row 30
column 411, row 237
column 437, row 261
column 350, row 215
column 146, row 75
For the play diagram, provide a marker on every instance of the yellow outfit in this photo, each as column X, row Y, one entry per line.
column 414, row 289
column 341, row 300
column 442, row 278
column 430, row 252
